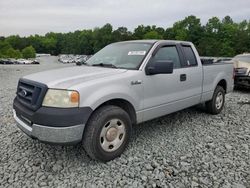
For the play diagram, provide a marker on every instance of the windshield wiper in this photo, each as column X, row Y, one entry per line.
column 105, row 65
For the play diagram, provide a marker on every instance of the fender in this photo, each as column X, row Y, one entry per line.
column 104, row 94
column 219, row 77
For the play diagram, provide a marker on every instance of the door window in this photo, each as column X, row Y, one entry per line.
column 168, row 53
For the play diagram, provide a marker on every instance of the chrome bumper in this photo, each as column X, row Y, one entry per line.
column 57, row 135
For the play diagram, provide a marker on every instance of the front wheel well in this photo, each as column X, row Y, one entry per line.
column 223, row 84
column 123, row 104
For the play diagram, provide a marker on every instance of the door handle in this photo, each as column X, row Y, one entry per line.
column 183, row 77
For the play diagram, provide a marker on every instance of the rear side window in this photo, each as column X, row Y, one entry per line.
column 168, row 53
column 190, row 57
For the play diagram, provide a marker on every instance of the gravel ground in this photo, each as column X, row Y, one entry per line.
column 185, row 149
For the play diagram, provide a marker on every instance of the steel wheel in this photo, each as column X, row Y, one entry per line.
column 112, row 135
column 219, row 100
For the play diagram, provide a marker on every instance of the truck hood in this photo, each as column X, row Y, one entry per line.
column 64, row 78
column 241, row 64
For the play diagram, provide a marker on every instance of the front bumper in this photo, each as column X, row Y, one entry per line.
column 242, row 81
column 52, row 125
column 56, row 135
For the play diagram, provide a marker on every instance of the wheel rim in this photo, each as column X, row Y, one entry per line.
column 112, row 135
column 219, row 100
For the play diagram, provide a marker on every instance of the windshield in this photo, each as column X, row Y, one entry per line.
column 121, row 55
column 244, row 58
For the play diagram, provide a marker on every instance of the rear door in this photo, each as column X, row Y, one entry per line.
column 194, row 71
column 166, row 93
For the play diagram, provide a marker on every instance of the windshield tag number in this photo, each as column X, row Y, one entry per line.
column 136, row 52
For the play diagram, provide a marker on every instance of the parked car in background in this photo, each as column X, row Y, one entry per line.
column 79, row 63
column 7, row 61
column 123, row 84
column 35, row 61
column 10, row 61
column 242, row 70
column 71, row 58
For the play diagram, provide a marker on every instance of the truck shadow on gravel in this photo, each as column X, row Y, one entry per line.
column 170, row 122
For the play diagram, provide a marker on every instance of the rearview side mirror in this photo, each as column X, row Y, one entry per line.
column 160, row 67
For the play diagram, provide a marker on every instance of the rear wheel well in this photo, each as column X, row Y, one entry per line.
column 123, row 104
column 223, row 84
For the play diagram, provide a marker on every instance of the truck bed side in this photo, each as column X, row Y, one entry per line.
column 212, row 75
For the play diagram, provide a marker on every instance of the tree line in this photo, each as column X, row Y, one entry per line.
column 218, row 37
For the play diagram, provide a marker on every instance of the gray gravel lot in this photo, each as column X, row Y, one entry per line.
column 185, row 149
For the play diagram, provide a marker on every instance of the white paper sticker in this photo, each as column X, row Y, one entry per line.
column 136, row 52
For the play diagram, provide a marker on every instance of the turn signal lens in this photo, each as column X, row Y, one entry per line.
column 74, row 97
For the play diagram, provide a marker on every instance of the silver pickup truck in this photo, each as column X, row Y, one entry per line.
column 124, row 84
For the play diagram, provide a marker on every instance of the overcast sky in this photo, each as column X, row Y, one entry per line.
column 25, row 17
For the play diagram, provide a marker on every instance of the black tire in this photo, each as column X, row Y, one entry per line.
column 92, row 133
column 211, row 106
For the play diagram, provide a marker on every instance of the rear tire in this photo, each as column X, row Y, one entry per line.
column 216, row 104
column 107, row 133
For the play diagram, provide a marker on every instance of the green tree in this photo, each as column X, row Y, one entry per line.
column 140, row 31
column 209, row 43
column 17, row 42
column 49, row 45
column 11, row 53
column 29, row 52
column 121, row 34
column 215, row 38
column 86, row 42
column 226, row 34
column 152, row 35
column 102, row 36
column 4, row 46
column 189, row 29
column 36, row 42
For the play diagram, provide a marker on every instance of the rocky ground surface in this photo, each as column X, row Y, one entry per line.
column 186, row 149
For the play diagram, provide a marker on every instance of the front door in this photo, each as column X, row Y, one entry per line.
column 166, row 93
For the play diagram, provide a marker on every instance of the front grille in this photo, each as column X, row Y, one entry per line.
column 30, row 93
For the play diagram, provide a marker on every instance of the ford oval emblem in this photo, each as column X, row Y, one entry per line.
column 24, row 92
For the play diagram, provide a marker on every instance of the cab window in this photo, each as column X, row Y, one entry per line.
column 190, row 56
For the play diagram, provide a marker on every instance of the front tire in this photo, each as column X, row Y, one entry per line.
column 216, row 104
column 107, row 133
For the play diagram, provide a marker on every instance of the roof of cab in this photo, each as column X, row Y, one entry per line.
column 154, row 41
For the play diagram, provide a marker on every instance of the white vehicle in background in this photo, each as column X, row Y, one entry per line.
column 18, row 61
column 24, row 61
column 70, row 58
column 242, row 70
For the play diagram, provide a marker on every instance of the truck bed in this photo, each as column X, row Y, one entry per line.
column 211, row 75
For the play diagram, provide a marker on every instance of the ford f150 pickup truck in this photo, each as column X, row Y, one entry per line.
column 123, row 84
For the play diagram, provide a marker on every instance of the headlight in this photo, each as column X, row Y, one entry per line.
column 61, row 98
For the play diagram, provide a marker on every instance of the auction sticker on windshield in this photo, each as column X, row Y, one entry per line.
column 136, row 52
